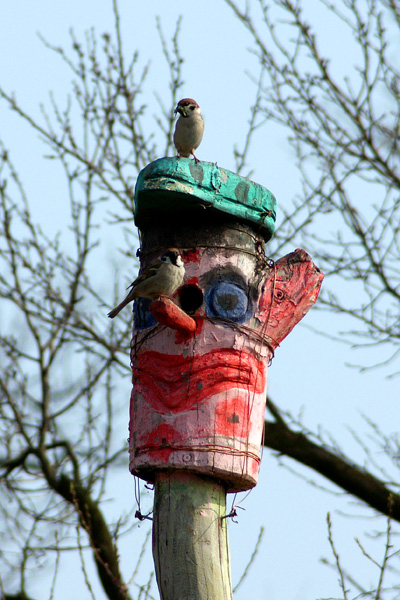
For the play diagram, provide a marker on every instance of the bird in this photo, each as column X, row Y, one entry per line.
column 189, row 128
column 162, row 278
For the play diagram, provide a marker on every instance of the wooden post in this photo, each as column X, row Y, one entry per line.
column 199, row 360
column 190, row 537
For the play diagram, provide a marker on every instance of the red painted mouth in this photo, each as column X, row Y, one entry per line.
column 174, row 383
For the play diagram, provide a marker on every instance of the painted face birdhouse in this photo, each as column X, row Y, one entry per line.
column 200, row 360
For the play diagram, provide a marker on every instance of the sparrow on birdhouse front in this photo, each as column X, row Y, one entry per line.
column 161, row 278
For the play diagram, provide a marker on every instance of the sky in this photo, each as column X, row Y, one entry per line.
column 308, row 374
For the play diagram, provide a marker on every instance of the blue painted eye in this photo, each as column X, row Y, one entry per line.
column 143, row 318
column 227, row 300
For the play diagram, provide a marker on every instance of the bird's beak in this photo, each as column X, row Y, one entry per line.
column 181, row 110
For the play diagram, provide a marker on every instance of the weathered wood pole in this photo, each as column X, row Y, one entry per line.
column 190, row 536
column 199, row 361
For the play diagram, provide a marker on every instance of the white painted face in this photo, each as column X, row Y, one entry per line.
column 198, row 402
column 207, row 391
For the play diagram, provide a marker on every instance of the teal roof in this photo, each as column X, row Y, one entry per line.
column 171, row 185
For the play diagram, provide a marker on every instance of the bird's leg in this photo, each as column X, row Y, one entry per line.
column 196, row 160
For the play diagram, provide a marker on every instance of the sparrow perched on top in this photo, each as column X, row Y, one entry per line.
column 161, row 278
column 189, row 128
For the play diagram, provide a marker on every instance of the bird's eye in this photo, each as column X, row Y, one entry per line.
column 228, row 300
column 143, row 318
column 192, row 107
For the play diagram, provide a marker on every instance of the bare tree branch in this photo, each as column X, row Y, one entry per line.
column 353, row 479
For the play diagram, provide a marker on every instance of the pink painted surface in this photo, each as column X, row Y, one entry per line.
column 200, row 381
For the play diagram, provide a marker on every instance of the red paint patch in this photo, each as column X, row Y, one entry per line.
column 174, row 383
column 158, row 442
column 189, row 256
column 232, row 417
column 192, row 281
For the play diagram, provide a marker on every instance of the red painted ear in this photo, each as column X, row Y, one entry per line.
column 290, row 290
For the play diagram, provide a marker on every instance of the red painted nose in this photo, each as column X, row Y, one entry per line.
column 169, row 314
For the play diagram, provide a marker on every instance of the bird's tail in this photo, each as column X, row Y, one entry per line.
column 114, row 312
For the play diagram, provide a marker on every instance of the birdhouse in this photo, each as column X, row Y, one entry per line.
column 200, row 359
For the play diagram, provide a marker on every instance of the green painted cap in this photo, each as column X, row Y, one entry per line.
column 171, row 185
